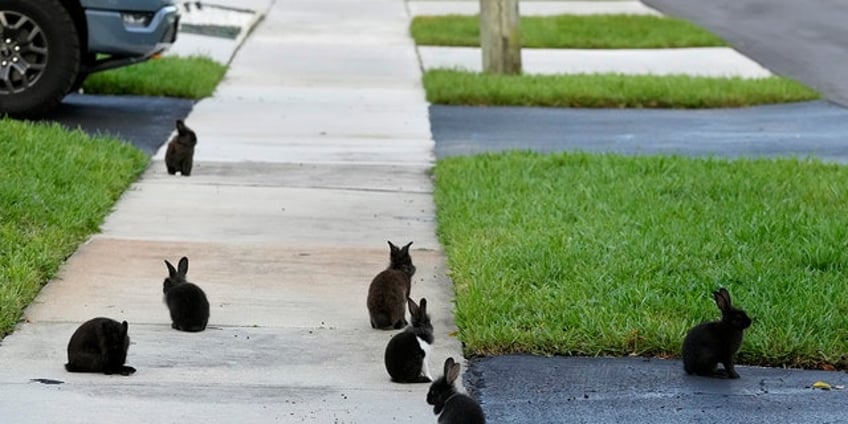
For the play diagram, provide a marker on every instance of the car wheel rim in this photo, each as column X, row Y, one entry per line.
column 23, row 52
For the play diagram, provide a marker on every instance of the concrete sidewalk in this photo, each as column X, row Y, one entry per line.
column 701, row 61
column 313, row 152
column 533, row 8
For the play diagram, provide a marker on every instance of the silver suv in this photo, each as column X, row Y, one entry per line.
column 49, row 47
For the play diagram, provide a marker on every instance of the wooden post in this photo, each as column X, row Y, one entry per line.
column 500, row 37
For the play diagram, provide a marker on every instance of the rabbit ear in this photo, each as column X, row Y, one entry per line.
column 183, row 266
column 448, row 364
column 124, row 328
column 406, row 248
column 413, row 308
column 452, row 374
column 422, row 306
column 181, row 128
column 724, row 293
column 393, row 247
column 722, row 299
column 172, row 272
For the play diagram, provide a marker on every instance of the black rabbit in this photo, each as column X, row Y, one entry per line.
column 99, row 345
column 407, row 353
column 451, row 406
column 389, row 290
column 179, row 156
column 709, row 343
column 186, row 301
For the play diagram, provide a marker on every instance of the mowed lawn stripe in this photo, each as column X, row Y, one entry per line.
column 455, row 87
column 571, row 31
column 580, row 254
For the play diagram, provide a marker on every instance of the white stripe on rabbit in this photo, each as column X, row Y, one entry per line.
column 425, row 366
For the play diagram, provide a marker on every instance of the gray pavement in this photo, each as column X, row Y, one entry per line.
column 533, row 7
column 805, row 40
column 806, row 129
column 519, row 389
column 146, row 122
column 698, row 61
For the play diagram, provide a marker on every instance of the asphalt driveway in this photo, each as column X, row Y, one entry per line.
column 802, row 129
column 805, row 40
column 146, row 122
column 522, row 389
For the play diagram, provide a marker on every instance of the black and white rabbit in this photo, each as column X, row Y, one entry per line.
column 186, row 301
column 709, row 343
column 179, row 156
column 99, row 345
column 408, row 352
column 451, row 406
column 389, row 290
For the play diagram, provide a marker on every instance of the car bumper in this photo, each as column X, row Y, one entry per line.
column 109, row 34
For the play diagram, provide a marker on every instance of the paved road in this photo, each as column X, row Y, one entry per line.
column 531, row 389
column 806, row 40
column 145, row 122
column 815, row 128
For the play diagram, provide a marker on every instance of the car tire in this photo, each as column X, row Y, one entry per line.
column 39, row 56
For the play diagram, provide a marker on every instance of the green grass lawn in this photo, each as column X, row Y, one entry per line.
column 452, row 87
column 56, row 186
column 580, row 254
column 571, row 31
column 187, row 77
